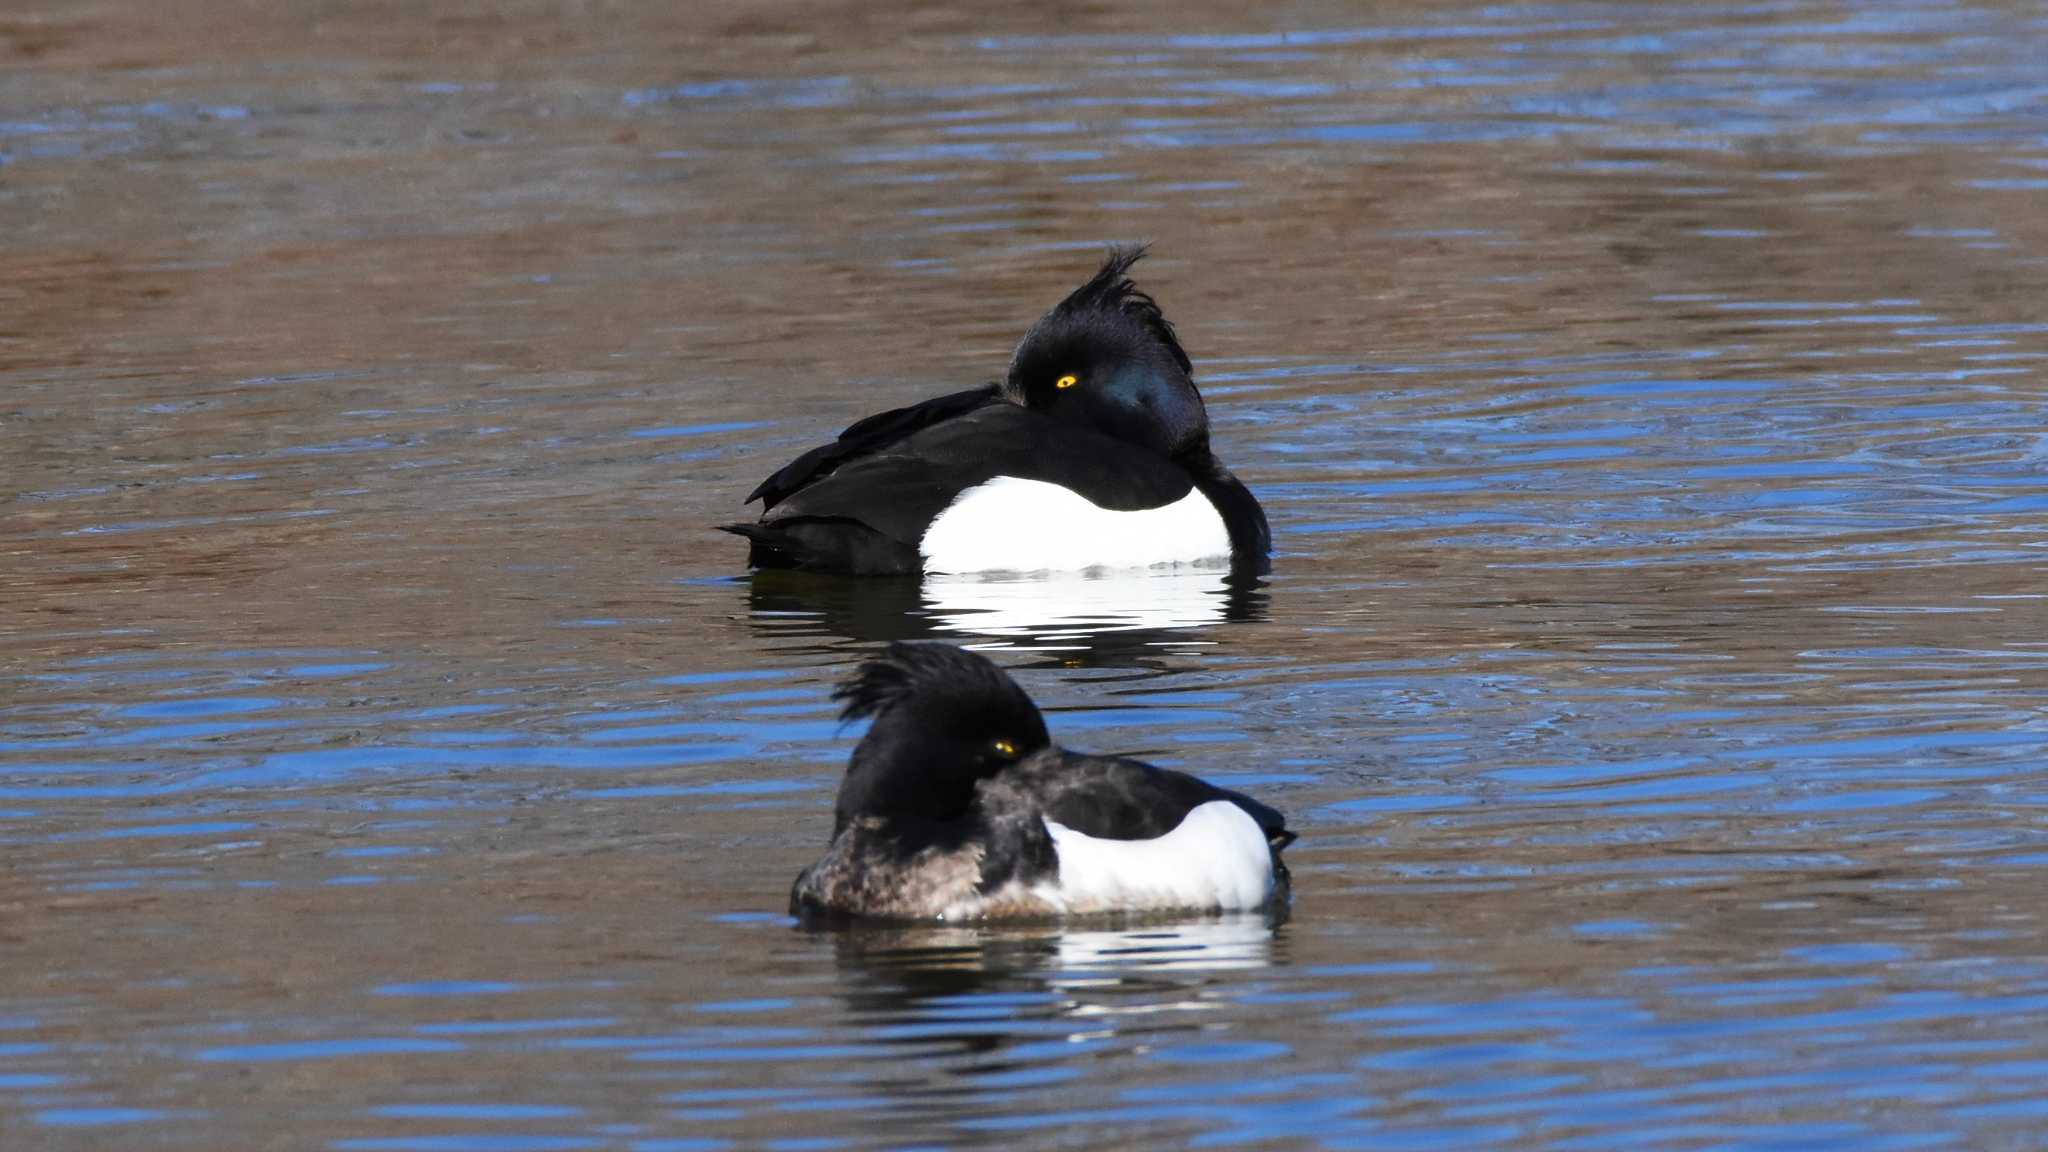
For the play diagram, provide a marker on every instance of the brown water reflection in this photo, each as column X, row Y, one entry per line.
column 1646, row 399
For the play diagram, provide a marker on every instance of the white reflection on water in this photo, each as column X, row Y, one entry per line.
column 1217, row 943
column 1066, row 609
column 1108, row 615
column 1230, row 943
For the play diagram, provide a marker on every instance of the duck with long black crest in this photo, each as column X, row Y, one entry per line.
column 957, row 806
column 1093, row 453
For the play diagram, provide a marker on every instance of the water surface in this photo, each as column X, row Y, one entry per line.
column 1647, row 400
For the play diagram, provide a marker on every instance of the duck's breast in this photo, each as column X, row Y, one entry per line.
column 870, row 871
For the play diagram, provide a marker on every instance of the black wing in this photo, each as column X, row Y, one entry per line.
column 1118, row 799
column 866, row 436
column 870, row 513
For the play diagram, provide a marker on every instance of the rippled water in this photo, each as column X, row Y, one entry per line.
column 1647, row 399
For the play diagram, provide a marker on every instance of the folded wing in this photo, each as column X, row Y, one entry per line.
column 869, row 512
column 867, row 436
column 1109, row 797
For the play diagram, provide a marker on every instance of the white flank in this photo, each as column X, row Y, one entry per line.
column 1216, row 860
column 1015, row 525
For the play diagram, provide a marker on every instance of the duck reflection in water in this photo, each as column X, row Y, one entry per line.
column 1109, row 617
column 920, row 984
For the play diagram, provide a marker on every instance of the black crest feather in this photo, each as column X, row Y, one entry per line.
column 908, row 669
column 1111, row 289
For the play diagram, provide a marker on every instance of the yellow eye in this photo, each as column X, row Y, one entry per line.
column 1067, row 381
column 1005, row 747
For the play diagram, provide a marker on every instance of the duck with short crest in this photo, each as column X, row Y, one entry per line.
column 1092, row 454
column 958, row 806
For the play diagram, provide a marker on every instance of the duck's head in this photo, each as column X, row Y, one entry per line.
column 944, row 720
column 1106, row 358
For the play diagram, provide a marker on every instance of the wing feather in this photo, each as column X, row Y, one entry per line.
column 1113, row 798
column 865, row 437
column 896, row 492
